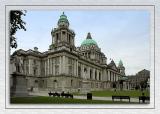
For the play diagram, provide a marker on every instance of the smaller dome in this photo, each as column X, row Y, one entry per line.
column 63, row 18
column 120, row 63
column 89, row 41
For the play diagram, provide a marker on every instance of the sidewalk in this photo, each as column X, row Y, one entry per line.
column 85, row 97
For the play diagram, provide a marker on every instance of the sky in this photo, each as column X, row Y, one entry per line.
column 121, row 34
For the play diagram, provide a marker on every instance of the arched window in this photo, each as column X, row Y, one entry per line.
column 79, row 71
column 57, row 38
column 99, row 76
column 69, row 39
column 71, row 82
column 90, row 73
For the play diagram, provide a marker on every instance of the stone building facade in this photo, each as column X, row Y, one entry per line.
column 65, row 67
column 137, row 80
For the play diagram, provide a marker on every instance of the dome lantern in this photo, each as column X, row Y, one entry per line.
column 63, row 21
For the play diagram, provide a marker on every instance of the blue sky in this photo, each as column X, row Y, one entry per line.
column 121, row 34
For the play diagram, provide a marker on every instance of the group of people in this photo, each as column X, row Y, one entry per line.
column 63, row 94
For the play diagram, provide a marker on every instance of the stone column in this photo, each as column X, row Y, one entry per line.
column 89, row 68
column 82, row 70
column 116, row 77
column 60, row 65
column 29, row 68
column 93, row 74
column 77, row 68
column 51, row 66
column 54, row 66
column 64, row 64
column 97, row 74
column 75, row 65
column 48, row 67
column 45, row 67
column 113, row 76
column 107, row 75
column 110, row 75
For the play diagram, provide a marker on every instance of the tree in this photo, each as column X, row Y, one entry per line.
column 143, row 84
column 137, row 87
column 16, row 23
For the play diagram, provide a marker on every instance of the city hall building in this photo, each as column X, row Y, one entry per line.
column 65, row 67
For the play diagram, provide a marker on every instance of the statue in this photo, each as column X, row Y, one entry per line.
column 19, row 64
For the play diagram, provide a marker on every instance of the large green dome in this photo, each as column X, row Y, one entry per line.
column 89, row 41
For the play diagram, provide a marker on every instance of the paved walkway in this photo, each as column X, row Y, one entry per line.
column 85, row 97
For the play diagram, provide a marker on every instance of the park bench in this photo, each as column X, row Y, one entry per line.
column 66, row 95
column 121, row 97
column 54, row 94
column 143, row 99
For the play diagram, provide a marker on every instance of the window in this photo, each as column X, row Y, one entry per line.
column 79, row 71
column 85, row 69
column 57, row 37
column 70, row 70
column 69, row 61
column 90, row 73
column 95, row 75
column 36, row 81
column 63, row 32
column 34, row 61
column 99, row 76
column 71, row 82
column 56, row 69
column 34, row 71
column 57, row 60
column 69, row 38
column 71, row 49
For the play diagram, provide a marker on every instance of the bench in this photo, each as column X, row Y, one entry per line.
column 54, row 94
column 66, row 95
column 121, row 97
column 143, row 99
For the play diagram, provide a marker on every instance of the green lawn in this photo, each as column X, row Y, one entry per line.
column 109, row 93
column 55, row 100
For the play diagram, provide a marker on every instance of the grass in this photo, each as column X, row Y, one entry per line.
column 109, row 93
column 55, row 100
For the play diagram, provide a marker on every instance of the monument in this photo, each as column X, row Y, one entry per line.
column 18, row 78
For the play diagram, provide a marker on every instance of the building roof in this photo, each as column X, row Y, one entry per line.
column 112, row 65
column 89, row 41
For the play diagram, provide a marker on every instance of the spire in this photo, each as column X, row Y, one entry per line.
column 89, row 36
column 120, row 63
